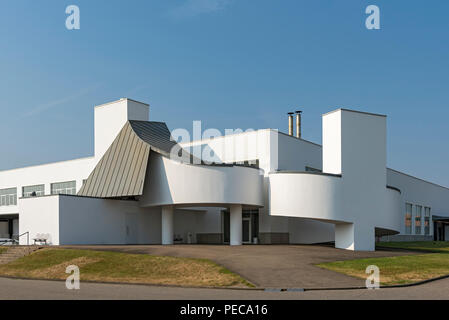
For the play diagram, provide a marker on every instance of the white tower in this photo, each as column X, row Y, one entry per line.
column 110, row 119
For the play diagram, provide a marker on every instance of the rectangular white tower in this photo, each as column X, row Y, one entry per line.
column 110, row 119
column 354, row 145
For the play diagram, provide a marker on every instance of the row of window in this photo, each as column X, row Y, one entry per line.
column 8, row 197
column 415, row 212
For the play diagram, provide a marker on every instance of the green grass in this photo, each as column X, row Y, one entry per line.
column 431, row 246
column 396, row 270
column 403, row 269
column 106, row 266
column 2, row 250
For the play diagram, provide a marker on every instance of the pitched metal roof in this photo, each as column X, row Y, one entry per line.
column 156, row 134
column 121, row 171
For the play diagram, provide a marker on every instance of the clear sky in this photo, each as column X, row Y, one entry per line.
column 230, row 63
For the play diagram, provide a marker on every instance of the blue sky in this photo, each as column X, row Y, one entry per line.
column 230, row 63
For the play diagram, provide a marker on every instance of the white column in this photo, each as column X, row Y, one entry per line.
column 344, row 236
column 167, row 225
column 236, row 225
column 353, row 236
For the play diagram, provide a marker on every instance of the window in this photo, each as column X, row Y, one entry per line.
column 8, row 197
column 408, row 218
column 427, row 221
column 418, row 219
column 68, row 187
column 33, row 191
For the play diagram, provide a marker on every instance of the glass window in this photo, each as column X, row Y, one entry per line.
column 33, row 191
column 68, row 187
column 427, row 221
column 418, row 219
column 408, row 218
column 8, row 197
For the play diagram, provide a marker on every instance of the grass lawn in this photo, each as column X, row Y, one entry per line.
column 432, row 246
column 402, row 269
column 105, row 266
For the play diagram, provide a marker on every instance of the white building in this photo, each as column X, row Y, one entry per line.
column 141, row 187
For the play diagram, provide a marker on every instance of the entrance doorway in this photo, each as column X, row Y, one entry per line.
column 441, row 230
column 226, row 223
column 250, row 226
column 9, row 227
column 246, row 230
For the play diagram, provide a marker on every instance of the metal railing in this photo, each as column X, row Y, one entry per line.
column 20, row 235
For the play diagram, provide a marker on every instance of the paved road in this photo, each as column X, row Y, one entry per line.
column 12, row 289
column 275, row 266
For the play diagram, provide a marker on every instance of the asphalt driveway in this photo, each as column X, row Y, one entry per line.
column 268, row 266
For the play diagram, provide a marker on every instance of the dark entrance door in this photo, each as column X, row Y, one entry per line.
column 246, row 230
column 439, row 231
column 226, row 226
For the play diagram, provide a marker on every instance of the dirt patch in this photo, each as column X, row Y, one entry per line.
column 59, row 269
column 56, row 271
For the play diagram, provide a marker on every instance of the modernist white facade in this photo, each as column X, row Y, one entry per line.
column 272, row 188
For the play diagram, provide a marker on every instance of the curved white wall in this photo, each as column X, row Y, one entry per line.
column 170, row 182
column 319, row 197
column 306, row 195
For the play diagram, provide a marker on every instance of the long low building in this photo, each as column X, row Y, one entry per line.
column 147, row 185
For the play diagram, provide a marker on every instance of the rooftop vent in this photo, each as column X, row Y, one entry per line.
column 298, row 124
column 290, row 123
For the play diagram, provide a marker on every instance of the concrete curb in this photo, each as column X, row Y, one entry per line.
column 238, row 288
